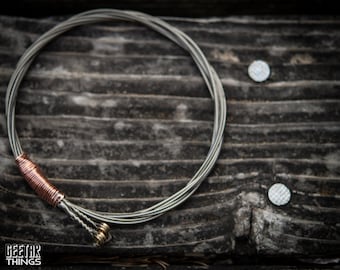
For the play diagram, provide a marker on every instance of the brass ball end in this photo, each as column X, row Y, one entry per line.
column 100, row 238
column 103, row 227
column 102, row 235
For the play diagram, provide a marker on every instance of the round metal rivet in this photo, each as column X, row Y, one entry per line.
column 259, row 71
column 279, row 194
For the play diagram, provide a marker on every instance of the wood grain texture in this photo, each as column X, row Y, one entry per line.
column 119, row 118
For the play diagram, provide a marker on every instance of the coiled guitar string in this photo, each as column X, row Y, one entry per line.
column 88, row 217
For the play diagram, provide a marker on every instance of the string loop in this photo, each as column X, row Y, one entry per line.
column 208, row 73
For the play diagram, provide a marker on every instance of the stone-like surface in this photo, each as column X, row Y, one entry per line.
column 119, row 118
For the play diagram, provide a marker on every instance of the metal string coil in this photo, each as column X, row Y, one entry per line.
column 38, row 181
column 86, row 217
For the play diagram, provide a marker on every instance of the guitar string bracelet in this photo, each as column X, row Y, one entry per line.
column 96, row 222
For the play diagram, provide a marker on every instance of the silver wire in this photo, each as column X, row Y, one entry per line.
column 181, row 39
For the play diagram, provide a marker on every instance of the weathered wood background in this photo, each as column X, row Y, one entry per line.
column 119, row 118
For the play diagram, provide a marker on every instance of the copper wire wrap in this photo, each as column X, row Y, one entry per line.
column 38, row 181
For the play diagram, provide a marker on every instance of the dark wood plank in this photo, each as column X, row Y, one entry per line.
column 119, row 119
